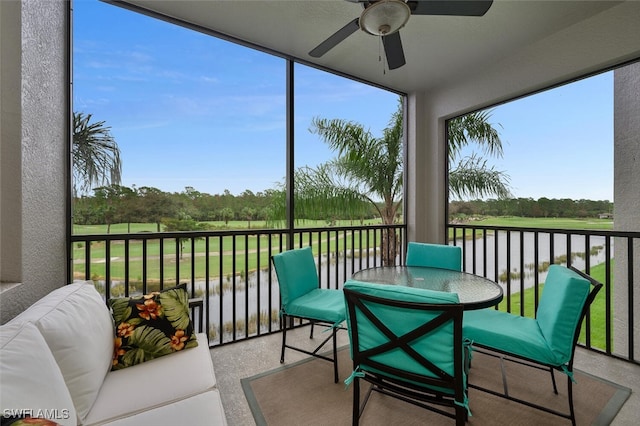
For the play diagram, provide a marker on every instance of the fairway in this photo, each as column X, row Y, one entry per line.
column 178, row 254
column 191, row 259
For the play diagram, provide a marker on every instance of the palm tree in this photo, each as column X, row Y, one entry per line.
column 95, row 155
column 367, row 173
column 368, row 170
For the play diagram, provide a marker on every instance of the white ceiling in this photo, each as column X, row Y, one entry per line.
column 439, row 50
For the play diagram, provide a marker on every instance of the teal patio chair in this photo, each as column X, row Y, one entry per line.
column 301, row 297
column 434, row 255
column 547, row 341
column 407, row 343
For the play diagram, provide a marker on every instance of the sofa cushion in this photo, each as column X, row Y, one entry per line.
column 31, row 381
column 76, row 324
column 154, row 383
column 202, row 409
column 151, row 326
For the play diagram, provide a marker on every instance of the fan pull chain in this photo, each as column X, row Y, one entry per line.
column 380, row 49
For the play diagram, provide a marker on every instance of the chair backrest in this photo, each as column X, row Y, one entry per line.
column 566, row 297
column 408, row 334
column 434, row 255
column 296, row 272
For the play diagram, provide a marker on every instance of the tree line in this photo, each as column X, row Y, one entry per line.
column 186, row 210
column 528, row 207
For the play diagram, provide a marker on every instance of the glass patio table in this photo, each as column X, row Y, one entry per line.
column 474, row 291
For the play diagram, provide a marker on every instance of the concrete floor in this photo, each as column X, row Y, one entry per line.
column 244, row 359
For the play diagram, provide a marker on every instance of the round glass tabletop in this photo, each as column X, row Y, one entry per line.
column 474, row 292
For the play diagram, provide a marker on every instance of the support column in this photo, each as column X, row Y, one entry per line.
column 626, row 193
column 10, row 147
column 35, row 131
column 425, row 185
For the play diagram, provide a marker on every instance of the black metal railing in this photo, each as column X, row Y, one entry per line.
column 230, row 270
column 518, row 259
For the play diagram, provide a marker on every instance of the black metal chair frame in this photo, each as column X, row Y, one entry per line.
column 396, row 382
column 507, row 356
column 288, row 319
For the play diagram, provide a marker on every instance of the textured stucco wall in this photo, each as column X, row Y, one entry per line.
column 626, row 200
column 43, row 136
column 10, row 172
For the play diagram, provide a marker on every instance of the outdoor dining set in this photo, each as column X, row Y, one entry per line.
column 413, row 328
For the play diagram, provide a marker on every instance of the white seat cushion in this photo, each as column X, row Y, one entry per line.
column 77, row 326
column 154, row 383
column 202, row 409
column 29, row 376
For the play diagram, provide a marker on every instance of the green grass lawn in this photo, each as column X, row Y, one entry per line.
column 125, row 228
column 178, row 257
column 541, row 222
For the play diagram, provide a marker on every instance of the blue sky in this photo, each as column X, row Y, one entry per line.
column 187, row 109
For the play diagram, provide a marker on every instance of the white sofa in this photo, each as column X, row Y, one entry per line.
column 55, row 362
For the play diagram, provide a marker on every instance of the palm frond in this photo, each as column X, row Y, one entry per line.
column 473, row 178
column 474, row 128
column 95, row 154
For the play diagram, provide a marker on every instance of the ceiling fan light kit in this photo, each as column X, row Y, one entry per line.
column 384, row 17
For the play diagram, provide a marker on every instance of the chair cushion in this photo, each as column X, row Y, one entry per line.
column 507, row 332
column 76, row 324
column 320, row 304
column 30, row 378
column 297, row 274
column 434, row 255
column 407, row 294
column 151, row 326
column 563, row 297
column 548, row 338
column 399, row 321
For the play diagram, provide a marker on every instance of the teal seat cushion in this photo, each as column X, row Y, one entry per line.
column 548, row 338
column 507, row 332
column 437, row 346
column 563, row 297
column 320, row 304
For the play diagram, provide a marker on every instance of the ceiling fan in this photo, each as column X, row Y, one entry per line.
column 385, row 18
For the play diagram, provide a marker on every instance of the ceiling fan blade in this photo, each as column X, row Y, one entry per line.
column 336, row 38
column 393, row 50
column 456, row 7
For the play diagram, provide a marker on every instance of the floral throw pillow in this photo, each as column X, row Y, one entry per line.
column 151, row 326
column 25, row 421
